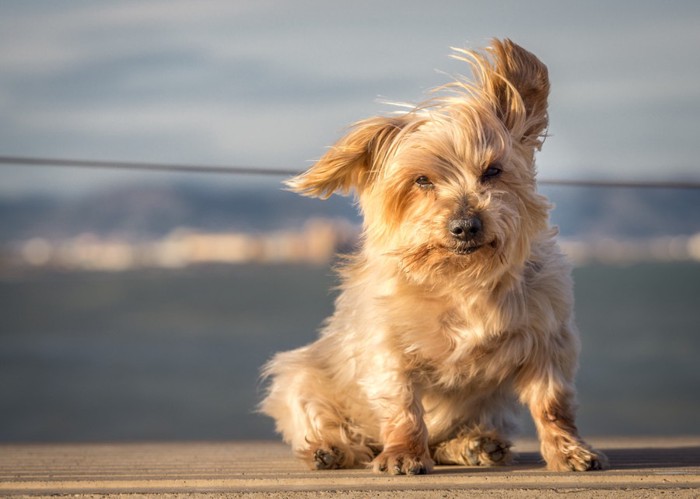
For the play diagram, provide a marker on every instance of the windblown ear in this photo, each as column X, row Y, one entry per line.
column 352, row 161
column 517, row 82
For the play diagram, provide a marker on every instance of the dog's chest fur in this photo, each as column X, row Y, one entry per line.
column 452, row 337
column 454, row 341
column 463, row 348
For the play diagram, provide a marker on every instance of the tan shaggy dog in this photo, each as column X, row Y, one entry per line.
column 457, row 306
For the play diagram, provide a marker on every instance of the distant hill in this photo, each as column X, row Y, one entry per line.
column 144, row 212
column 587, row 212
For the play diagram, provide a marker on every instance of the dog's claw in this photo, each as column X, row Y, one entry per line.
column 588, row 460
column 402, row 465
column 578, row 458
column 420, row 470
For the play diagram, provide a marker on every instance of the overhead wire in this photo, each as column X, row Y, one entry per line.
column 281, row 172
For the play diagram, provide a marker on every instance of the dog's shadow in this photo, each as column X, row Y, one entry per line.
column 525, row 461
column 644, row 458
column 620, row 459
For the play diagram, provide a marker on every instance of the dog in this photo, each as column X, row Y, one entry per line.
column 457, row 306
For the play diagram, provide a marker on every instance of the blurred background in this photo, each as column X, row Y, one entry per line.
column 140, row 305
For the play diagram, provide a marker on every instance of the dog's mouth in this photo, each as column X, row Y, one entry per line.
column 469, row 248
column 465, row 249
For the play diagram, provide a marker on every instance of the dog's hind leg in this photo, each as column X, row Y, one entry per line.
column 310, row 415
column 330, row 440
column 481, row 435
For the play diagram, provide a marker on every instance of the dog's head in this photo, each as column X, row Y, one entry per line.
column 450, row 185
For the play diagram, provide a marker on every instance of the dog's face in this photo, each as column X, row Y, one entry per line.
column 450, row 186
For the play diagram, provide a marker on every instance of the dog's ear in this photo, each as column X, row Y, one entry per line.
column 517, row 83
column 352, row 161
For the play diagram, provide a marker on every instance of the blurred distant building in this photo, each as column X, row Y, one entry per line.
column 314, row 243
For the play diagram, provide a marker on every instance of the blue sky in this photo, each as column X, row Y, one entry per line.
column 273, row 83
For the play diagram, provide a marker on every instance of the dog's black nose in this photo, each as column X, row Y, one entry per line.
column 465, row 229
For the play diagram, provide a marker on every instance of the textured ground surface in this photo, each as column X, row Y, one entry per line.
column 641, row 467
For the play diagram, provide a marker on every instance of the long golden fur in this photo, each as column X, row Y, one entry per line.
column 457, row 306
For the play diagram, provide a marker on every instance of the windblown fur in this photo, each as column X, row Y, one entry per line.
column 457, row 306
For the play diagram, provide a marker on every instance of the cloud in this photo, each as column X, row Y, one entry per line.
column 274, row 82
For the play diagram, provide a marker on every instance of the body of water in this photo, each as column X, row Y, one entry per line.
column 175, row 355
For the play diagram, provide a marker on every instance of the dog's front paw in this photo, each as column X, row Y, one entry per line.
column 579, row 458
column 402, row 463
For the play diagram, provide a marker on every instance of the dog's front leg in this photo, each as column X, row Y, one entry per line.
column 403, row 432
column 550, row 395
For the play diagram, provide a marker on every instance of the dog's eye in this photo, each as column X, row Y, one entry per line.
column 424, row 182
column 491, row 172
